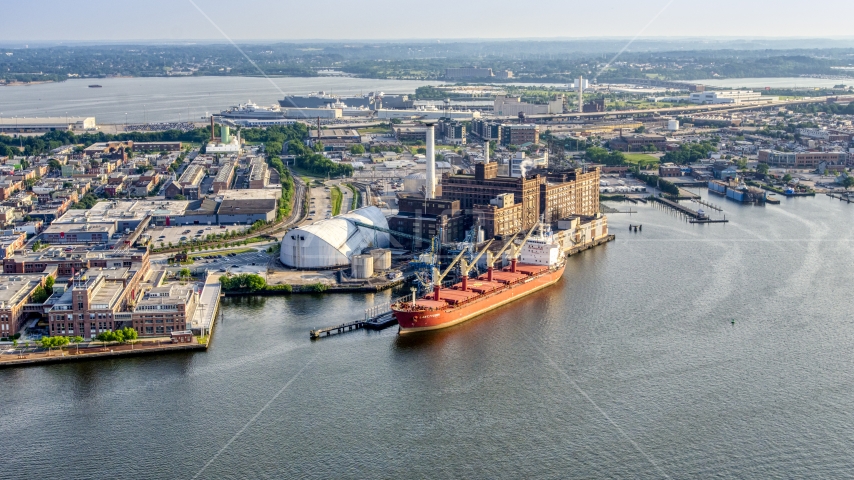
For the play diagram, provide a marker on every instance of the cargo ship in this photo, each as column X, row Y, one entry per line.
column 537, row 263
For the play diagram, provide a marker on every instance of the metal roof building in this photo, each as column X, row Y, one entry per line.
column 332, row 243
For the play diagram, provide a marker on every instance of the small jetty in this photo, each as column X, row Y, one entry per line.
column 635, row 228
column 378, row 317
column 843, row 198
column 344, row 327
column 709, row 220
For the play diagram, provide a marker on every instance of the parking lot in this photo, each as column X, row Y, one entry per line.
column 235, row 263
column 187, row 233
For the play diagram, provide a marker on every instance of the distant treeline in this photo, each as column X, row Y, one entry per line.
column 535, row 61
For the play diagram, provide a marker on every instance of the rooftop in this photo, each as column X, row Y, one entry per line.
column 14, row 287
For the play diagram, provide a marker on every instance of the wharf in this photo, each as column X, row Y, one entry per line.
column 843, row 198
column 97, row 353
column 709, row 205
column 679, row 208
column 708, row 220
column 587, row 246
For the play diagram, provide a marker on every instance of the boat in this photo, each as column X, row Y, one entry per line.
column 95, row 86
column 371, row 101
column 540, row 264
column 253, row 112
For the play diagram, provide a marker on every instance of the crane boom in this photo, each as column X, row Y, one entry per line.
column 491, row 263
column 444, row 274
column 518, row 249
column 469, row 266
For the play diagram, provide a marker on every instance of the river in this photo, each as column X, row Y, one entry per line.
column 631, row 367
column 174, row 99
column 782, row 82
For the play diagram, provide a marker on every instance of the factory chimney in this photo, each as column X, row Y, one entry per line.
column 486, row 152
column 212, row 129
column 430, row 191
column 580, row 94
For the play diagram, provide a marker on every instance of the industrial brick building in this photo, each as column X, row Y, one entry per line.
column 163, row 310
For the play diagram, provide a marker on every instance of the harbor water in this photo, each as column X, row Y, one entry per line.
column 682, row 351
column 160, row 99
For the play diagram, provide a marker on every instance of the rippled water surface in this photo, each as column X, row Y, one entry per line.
column 631, row 367
column 174, row 99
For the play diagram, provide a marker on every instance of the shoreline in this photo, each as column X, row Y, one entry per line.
column 69, row 356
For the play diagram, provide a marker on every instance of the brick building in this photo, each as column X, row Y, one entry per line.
column 16, row 290
column 520, row 134
column 164, row 310
column 416, row 216
column 633, row 143
column 485, row 185
column 501, row 217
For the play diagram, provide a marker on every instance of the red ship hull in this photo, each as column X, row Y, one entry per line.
column 456, row 305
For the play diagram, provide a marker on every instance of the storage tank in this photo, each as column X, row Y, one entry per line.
column 673, row 125
column 362, row 266
column 414, row 183
column 382, row 258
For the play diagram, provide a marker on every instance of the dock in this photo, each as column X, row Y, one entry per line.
column 709, row 205
column 679, row 208
column 344, row 327
column 587, row 246
column 378, row 317
column 708, row 220
column 843, row 198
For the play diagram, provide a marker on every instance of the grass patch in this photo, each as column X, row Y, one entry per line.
column 373, row 130
column 642, row 159
column 221, row 252
column 336, row 197
column 639, row 157
column 356, row 196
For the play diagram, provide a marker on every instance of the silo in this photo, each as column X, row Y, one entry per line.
column 382, row 258
column 362, row 266
column 226, row 134
column 673, row 125
column 414, row 183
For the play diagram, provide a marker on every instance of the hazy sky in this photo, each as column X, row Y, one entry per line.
column 112, row 20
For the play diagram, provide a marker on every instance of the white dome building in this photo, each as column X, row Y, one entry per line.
column 332, row 243
column 414, row 183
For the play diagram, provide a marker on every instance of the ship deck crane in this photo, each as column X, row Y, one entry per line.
column 518, row 248
column 466, row 267
column 515, row 252
column 437, row 277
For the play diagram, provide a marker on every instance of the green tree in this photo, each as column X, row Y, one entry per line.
column 848, row 182
column 357, row 149
column 184, row 273
column 76, row 341
column 787, row 178
column 53, row 342
column 763, row 168
column 54, row 165
column 128, row 334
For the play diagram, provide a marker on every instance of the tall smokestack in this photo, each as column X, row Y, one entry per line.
column 212, row 129
column 430, row 191
column 486, row 152
column 580, row 94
